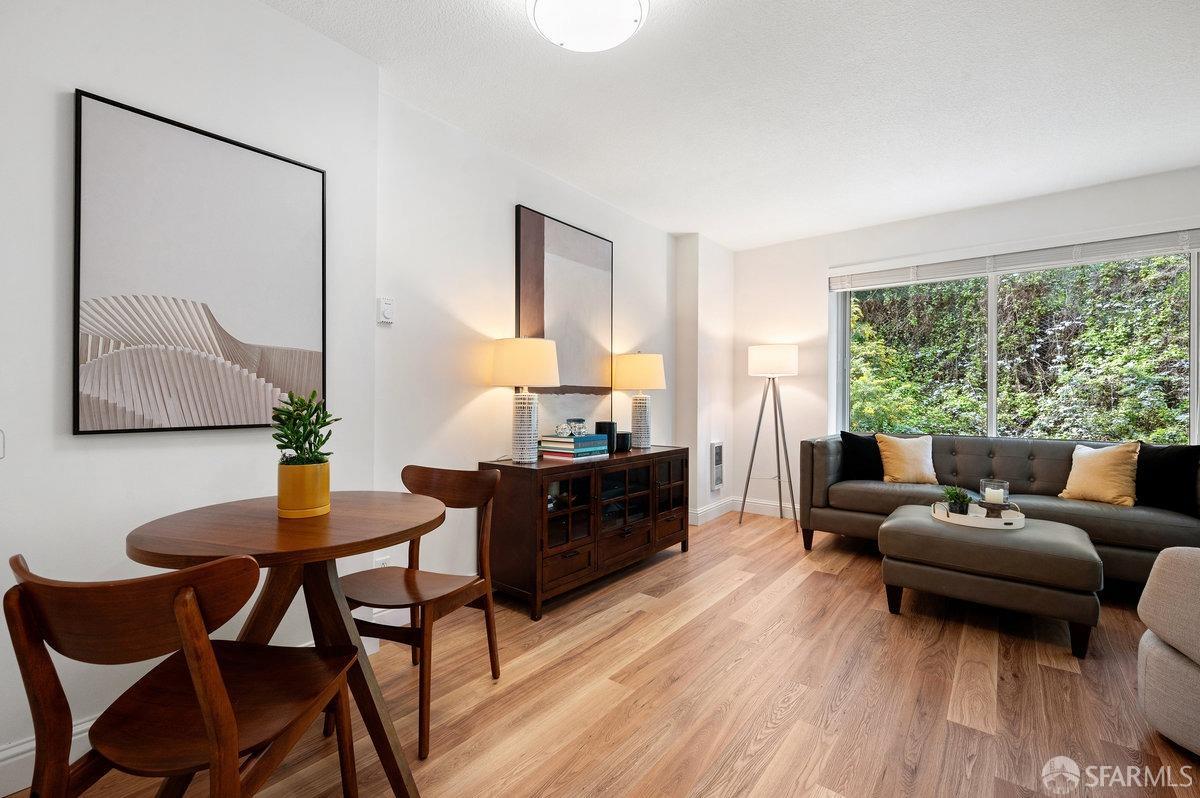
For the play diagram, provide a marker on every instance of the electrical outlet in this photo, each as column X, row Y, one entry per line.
column 383, row 561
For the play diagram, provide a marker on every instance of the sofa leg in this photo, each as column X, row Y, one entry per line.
column 1081, row 633
column 894, row 595
column 807, row 535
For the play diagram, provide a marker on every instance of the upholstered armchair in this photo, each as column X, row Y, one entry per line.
column 1169, row 653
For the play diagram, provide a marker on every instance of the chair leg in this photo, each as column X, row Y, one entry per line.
column 426, row 672
column 414, row 619
column 330, row 725
column 174, row 787
column 489, row 620
column 345, row 741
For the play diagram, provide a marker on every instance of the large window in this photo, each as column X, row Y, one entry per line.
column 918, row 358
column 1099, row 351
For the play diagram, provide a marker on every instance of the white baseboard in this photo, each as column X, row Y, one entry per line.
column 766, row 507
column 16, row 758
column 702, row 515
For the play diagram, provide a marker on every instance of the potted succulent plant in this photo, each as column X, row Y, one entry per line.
column 301, row 432
column 957, row 500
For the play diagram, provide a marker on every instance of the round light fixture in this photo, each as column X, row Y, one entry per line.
column 587, row 26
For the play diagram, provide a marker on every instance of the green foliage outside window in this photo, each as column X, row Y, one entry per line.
column 1097, row 352
column 917, row 358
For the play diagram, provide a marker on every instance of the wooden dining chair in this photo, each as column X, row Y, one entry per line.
column 429, row 595
column 207, row 706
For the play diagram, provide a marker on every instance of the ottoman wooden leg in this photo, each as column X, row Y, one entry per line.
column 1081, row 633
column 894, row 594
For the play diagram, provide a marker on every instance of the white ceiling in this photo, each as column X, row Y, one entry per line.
column 758, row 121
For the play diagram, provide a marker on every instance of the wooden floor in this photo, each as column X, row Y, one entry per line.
column 746, row 667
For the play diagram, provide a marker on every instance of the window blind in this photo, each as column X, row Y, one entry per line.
column 1029, row 260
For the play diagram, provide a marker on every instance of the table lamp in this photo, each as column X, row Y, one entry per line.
column 525, row 363
column 639, row 372
column 773, row 361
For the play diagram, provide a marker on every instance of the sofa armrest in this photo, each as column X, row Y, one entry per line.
column 1170, row 603
column 820, row 467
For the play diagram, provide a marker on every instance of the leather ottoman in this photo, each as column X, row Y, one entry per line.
column 1046, row 568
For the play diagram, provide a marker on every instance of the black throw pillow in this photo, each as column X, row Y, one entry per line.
column 860, row 457
column 1166, row 478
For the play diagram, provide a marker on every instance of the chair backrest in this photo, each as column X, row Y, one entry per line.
column 110, row 623
column 461, row 490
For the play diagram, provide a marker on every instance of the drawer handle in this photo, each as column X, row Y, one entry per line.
column 627, row 533
column 568, row 555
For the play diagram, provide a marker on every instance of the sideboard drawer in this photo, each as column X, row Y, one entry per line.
column 618, row 545
column 567, row 566
column 670, row 523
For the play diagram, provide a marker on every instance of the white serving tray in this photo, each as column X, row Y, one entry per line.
column 977, row 517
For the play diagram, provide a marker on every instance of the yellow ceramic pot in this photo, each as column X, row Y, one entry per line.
column 303, row 490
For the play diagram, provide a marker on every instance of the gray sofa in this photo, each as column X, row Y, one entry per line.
column 1128, row 539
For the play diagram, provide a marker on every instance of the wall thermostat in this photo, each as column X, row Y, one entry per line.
column 716, row 465
column 384, row 312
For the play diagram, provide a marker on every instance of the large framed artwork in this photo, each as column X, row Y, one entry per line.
column 565, row 293
column 199, row 275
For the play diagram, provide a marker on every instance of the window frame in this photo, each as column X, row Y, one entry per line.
column 839, row 323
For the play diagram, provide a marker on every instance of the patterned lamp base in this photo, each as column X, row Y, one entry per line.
column 641, row 422
column 525, row 428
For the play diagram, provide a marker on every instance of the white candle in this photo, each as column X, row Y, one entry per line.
column 994, row 496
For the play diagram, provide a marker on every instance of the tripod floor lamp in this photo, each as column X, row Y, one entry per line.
column 773, row 361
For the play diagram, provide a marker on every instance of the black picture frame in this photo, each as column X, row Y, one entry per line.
column 80, row 96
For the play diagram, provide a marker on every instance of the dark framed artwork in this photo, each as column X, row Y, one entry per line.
column 565, row 293
column 199, row 275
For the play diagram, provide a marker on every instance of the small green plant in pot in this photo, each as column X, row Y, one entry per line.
column 957, row 500
column 301, row 431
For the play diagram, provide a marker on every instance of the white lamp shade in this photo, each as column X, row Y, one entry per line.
column 639, row 372
column 525, row 363
column 774, row 360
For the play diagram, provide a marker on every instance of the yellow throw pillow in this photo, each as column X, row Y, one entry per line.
column 1106, row 475
column 907, row 459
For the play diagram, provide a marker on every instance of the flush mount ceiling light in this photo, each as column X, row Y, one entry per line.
column 587, row 26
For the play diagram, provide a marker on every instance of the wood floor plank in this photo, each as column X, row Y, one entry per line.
column 750, row 667
column 770, row 597
column 973, row 699
column 968, row 762
column 1054, row 645
column 795, row 768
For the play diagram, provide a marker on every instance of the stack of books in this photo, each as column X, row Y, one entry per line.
column 574, row 447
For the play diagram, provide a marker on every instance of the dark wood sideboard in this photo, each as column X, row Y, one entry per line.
column 556, row 525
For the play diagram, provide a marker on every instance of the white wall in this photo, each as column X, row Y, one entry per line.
column 229, row 66
column 704, row 338
column 782, row 296
column 446, row 253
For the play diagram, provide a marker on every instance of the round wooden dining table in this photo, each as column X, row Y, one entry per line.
column 300, row 553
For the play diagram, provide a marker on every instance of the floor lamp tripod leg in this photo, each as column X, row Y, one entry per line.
column 787, row 460
column 750, row 466
column 775, row 424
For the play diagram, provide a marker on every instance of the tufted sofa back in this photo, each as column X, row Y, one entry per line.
column 1031, row 466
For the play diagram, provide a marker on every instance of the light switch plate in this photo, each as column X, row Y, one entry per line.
column 385, row 313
